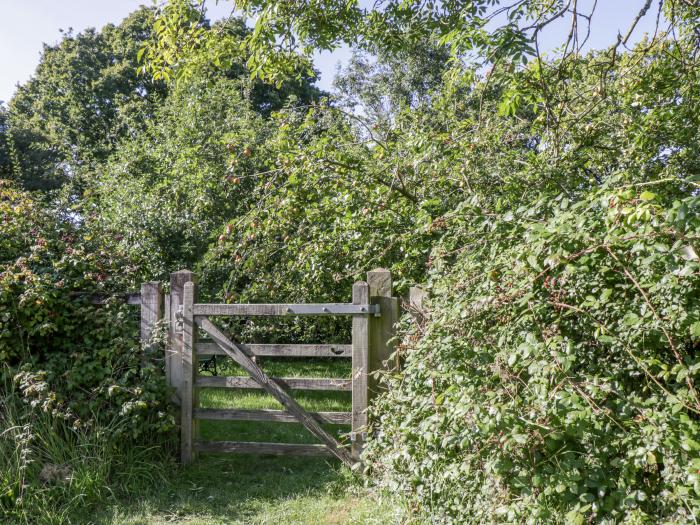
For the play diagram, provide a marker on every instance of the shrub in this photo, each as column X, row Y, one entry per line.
column 557, row 377
column 80, row 383
column 73, row 357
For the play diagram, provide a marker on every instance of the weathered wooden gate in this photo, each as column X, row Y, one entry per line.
column 373, row 311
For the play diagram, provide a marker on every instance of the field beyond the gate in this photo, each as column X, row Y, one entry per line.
column 232, row 489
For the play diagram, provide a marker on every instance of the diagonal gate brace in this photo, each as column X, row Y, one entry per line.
column 240, row 356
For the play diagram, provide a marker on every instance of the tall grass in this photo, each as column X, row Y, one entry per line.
column 51, row 473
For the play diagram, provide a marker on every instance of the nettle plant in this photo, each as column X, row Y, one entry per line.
column 557, row 377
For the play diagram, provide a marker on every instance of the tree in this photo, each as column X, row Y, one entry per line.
column 87, row 96
column 5, row 147
column 484, row 32
column 84, row 98
column 378, row 87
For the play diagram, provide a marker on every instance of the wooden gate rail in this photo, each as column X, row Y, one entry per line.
column 374, row 312
column 290, row 383
column 285, row 309
column 256, row 447
column 280, row 350
column 272, row 387
column 239, row 414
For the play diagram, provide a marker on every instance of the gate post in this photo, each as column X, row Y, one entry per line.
column 382, row 327
column 151, row 311
column 360, row 369
column 173, row 353
column 189, row 397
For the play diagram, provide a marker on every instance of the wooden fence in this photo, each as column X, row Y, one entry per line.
column 373, row 311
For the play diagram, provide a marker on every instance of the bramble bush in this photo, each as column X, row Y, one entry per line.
column 72, row 356
column 556, row 379
column 557, row 376
column 69, row 367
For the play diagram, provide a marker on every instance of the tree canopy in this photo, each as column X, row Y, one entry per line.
column 547, row 202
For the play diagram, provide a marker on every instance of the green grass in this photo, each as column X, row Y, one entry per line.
column 145, row 486
column 256, row 490
column 255, row 399
column 247, row 489
column 50, row 473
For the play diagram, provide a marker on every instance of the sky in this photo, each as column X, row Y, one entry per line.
column 26, row 24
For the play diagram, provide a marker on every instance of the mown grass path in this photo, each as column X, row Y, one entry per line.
column 244, row 489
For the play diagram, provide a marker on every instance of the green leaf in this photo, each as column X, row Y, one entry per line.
column 630, row 319
column 688, row 253
column 651, row 458
column 440, row 398
column 574, row 517
column 695, row 330
column 520, row 438
column 533, row 262
column 647, row 196
column 689, row 444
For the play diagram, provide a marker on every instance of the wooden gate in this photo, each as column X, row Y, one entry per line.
column 373, row 312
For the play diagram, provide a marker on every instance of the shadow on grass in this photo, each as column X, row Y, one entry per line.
column 243, row 489
column 253, row 489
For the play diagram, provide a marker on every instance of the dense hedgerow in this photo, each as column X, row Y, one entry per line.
column 70, row 355
column 557, row 376
column 73, row 379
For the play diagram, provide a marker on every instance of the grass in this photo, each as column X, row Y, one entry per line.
column 135, row 486
column 50, row 473
column 256, row 490
column 254, row 399
column 247, row 489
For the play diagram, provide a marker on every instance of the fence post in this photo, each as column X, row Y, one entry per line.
column 173, row 354
column 416, row 297
column 151, row 311
column 382, row 327
column 360, row 364
column 189, row 399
